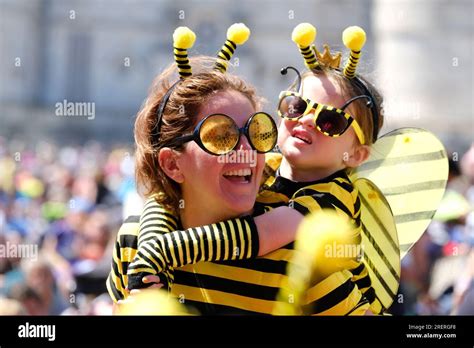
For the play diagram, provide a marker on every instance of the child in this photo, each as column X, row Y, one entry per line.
column 328, row 125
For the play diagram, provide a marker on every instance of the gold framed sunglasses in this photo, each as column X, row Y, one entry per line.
column 329, row 120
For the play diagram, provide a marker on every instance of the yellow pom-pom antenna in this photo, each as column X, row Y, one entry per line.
column 237, row 34
column 304, row 35
column 354, row 39
column 183, row 39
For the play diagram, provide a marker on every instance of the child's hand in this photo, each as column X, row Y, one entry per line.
column 151, row 279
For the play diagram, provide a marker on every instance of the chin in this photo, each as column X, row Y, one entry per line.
column 240, row 205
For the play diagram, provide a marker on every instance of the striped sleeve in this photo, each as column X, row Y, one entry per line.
column 235, row 239
column 124, row 250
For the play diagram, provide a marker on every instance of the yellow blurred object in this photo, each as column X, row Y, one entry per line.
column 152, row 302
column 325, row 243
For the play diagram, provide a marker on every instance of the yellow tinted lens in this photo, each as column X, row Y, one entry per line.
column 262, row 132
column 219, row 134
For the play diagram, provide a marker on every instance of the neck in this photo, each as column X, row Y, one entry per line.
column 289, row 171
column 195, row 214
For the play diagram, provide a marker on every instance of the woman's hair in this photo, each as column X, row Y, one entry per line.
column 362, row 114
column 179, row 117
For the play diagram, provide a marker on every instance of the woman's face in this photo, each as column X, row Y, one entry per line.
column 218, row 185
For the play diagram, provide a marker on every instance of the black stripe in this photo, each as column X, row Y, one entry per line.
column 163, row 216
column 238, row 243
column 227, row 285
column 180, row 49
column 419, row 215
column 387, row 235
column 181, row 55
column 327, row 200
column 299, row 207
column 214, row 242
column 357, row 205
column 345, row 185
column 392, row 161
column 206, row 244
column 379, row 277
column 259, row 264
column 226, row 55
column 156, row 226
column 128, row 241
column 167, row 250
column 358, row 270
column 151, row 250
column 332, row 298
column 381, row 253
column 189, row 233
column 116, row 272
column 422, row 186
column 198, row 254
column 229, row 243
column 230, row 42
column 364, row 282
column 220, row 66
column 222, row 240
column 370, row 294
column 230, row 48
column 180, row 241
column 132, row 218
column 117, row 294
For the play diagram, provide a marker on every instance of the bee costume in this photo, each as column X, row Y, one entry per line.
column 400, row 186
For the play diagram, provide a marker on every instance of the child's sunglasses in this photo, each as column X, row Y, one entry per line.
column 218, row 134
column 328, row 120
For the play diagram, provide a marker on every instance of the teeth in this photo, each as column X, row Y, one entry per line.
column 240, row 172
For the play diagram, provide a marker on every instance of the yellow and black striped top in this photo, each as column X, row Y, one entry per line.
column 251, row 286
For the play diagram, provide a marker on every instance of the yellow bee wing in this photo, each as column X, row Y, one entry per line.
column 380, row 247
column 410, row 167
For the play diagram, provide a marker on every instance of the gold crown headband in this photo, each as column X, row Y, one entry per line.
column 354, row 37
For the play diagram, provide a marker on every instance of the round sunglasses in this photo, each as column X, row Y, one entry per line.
column 329, row 120
column 218, row 134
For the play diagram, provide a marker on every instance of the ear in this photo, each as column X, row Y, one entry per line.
column 168, row 160
column 359, row 154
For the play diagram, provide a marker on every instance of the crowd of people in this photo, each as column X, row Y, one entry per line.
column 61, row 208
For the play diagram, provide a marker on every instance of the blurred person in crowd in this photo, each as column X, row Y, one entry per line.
column 39, row 276
column 29, row 299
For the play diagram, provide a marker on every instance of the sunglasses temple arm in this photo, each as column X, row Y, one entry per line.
column 180, row 140
column 369, row 101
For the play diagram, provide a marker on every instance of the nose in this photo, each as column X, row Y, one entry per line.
column 307, row 120
column 244, row 143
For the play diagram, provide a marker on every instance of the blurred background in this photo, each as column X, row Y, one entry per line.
column 66, row 178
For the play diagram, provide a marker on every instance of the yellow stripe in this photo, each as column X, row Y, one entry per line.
column 222, row 298
column 188, row 252
column 209, row 238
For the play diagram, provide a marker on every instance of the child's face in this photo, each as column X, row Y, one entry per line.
column 307, row 149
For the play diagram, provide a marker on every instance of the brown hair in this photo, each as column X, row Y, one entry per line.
column 362, row 114
column 179, row 117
